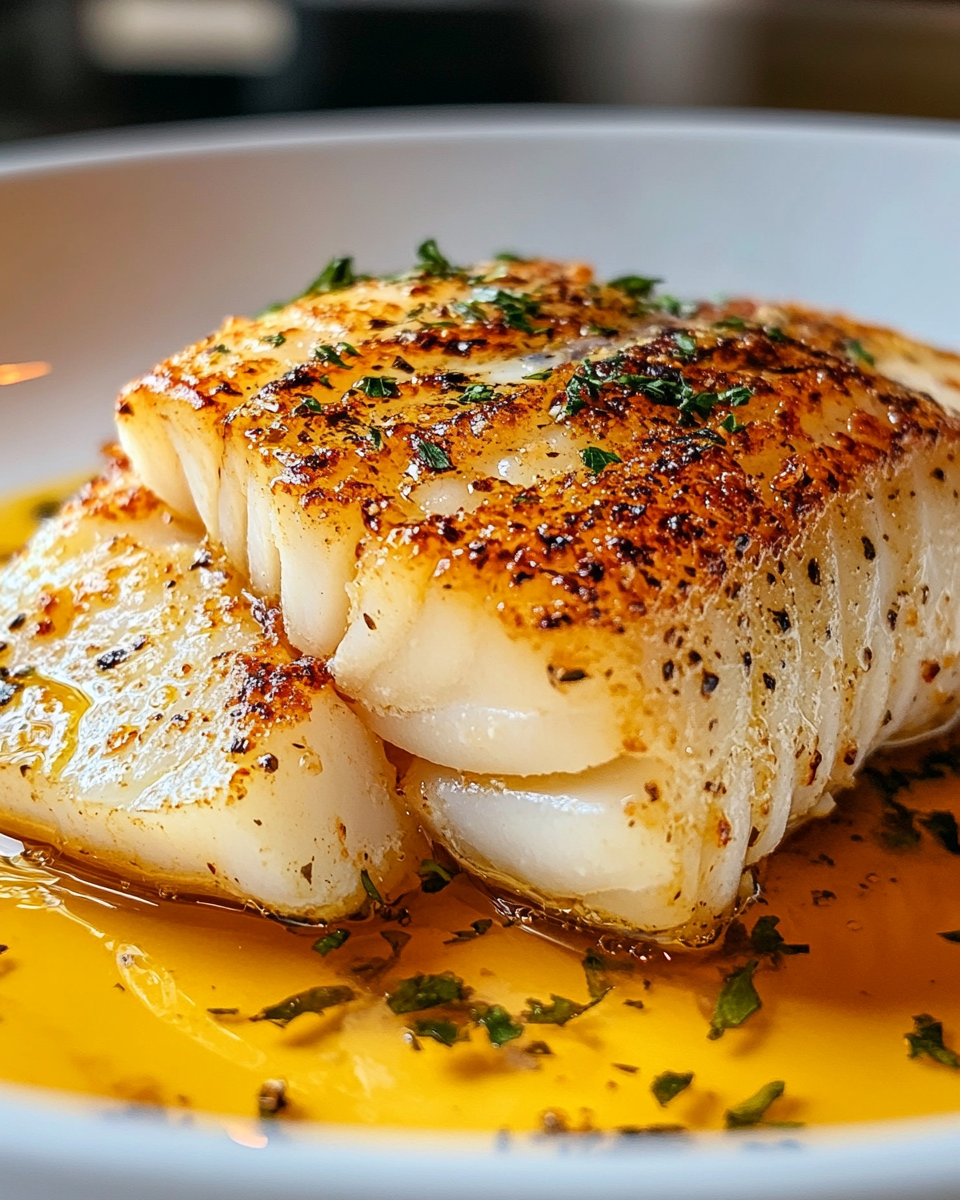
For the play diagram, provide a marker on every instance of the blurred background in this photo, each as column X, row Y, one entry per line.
column 69, row 65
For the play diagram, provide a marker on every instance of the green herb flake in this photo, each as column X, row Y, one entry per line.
column 686, row 344
column 378, row 387
column 331, row 941
column 927, row 1038
column 752, row 1111
column 897, row 829
column 595, row 459
column 335, row 276
column 943, row 826
column 431, row 262
column 558, row 1012
column 316, row 1000
column 434, row 877
column 447, row 1033
column 370, row 887
column 476, row 393
column 951, row 935
column 274, row 339
column 219, row 348
column 374, row 436
column 433, row 456
column 765, row 938
column 516, row 308
column 477, row 929
column 731, row 424
column 737, row 1001
column 774, row 333
column 856, row 351
column 330, row 355
column 508, row 256
column 311, row 404
column 595, row 967
column 500, row 1026
column 637, row 287
column 669, row 1084
column 538, row 375
column 425, row 991
column 469, row 310
column 732, row 322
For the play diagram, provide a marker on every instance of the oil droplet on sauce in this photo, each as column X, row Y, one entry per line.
column 115, row 992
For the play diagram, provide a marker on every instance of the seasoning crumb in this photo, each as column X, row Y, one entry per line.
column 554, row 1121
column 272, row 1098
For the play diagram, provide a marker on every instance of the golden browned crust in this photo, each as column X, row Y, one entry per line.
column 687, row 501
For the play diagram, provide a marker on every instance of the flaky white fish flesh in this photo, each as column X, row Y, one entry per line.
column 153, row 720
column 639, row 585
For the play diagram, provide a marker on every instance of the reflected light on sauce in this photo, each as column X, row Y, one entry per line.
column 21, row 372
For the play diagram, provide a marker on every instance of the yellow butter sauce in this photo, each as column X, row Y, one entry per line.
column 108, row 992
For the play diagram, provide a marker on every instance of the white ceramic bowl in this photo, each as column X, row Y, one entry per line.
column 116, row 250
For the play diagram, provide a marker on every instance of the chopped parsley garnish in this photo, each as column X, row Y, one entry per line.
column 335, row 276
column 508, row 256
column 425, row 991
column 595, row 459
column 477, row 929
column 469, row 310
column 766, row 939
column 374, row 436
column 943, row 826
column 370, row 887
column 737, row 1001
column 686, row 344
column 431, row 262
column 897, row 830
column 433, row 456
column 951, row 935
column 500, row 1026
column 330, row 355
column 669, row 1084
column 378, row 387
column 447, row 1033
column 274, row 339
column 753, row 1110
column 637, row 287
column 558, row 1012
column 580, row 390
column 434, row 877
column 774, row 333
column 517, row 308
column 220, row 348
column 544, row 374
column 401, row 364
column 311, row 404
column 316, row 1000
column 856, row 351
column 476, row 393
column 595, row 967
column 678, row 394
column 731, row 322
column 331, row 941
column 927, row 1038
column 731, row 424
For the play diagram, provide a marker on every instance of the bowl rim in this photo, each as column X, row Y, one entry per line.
column 51, row 1135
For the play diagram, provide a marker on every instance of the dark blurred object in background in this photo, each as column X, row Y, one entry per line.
column 84, row 64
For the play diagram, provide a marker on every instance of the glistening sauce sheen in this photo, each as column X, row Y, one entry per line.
column 107, row 992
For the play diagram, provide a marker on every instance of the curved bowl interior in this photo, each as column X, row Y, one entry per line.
column 117, row 250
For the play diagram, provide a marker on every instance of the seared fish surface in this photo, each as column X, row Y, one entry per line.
column 154, row 720
column 651, row 581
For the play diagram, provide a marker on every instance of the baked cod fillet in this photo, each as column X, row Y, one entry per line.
column 639, row 585
column 153, row 720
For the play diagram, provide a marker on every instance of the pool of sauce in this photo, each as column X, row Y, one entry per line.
column 108, row 991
